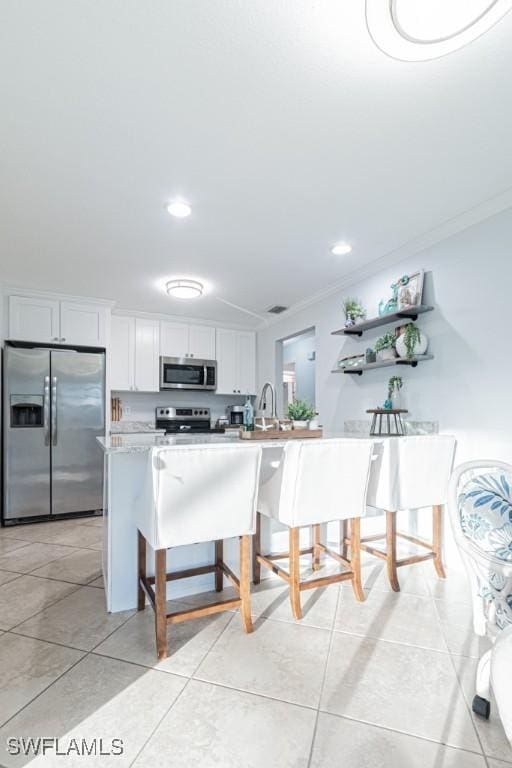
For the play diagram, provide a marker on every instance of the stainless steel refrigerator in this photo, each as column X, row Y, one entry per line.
column 53, row 410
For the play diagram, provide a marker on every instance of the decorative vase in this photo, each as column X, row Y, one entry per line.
column 349, row 322
column 396, row 400
column 386, row 354
column 419, row 349
column 300, row 424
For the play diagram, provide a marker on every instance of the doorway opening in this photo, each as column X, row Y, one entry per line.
column 298, row 368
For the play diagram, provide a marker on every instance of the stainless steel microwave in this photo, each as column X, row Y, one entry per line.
column 187, row 373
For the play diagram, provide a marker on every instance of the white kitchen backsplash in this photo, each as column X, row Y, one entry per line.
column 140, row 406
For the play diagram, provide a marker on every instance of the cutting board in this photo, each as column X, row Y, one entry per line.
column 276, row 434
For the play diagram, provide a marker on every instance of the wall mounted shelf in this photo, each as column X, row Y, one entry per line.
column 358, row 369
column 408, row 313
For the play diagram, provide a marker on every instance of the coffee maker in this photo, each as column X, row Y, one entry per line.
column 235, row 414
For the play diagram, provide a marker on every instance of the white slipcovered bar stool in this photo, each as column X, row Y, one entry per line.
column 317, row 481
column 193, row 494
column 423, row 465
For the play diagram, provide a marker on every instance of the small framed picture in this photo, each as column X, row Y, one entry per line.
column 410, row 290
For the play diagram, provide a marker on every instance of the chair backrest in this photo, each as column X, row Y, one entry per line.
column 199, row 493
column 480, row 508
column 425, row 463
column 323, row 480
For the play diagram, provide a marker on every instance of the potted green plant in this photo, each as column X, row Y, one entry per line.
column 395, row 384
column 300, row 412
column 385, row 347
column 354, row 311
column 411, row 342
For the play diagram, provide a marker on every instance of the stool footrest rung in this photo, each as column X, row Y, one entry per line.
column 415, row 559
column 203, row 610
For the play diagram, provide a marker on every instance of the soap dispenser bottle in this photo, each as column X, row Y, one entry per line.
column 248, row 415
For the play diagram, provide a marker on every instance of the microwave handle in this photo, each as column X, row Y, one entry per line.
column 205, row 375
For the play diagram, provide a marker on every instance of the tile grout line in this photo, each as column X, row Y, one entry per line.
column 324, row 676
column 61, row 645
column 461, row 689
column 180, row 694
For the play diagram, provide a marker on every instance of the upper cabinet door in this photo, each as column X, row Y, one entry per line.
column 247, row 362
column 33, row 319
column 173, row 339
column 147, row 345
column 82, row 324
column 227, row 365
column 122, row 352
column 201, row 342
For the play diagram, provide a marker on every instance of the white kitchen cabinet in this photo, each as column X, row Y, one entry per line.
column 201, row 342
column 57, row 322
column 147, row 345
column 184, row 340
column 173, row 339
column 246, row 344
column 34, row 319
column 122, row 352
column 134, row 354
column 236, row 362
column 82, row 324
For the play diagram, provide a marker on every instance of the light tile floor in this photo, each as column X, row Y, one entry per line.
column 384, row 684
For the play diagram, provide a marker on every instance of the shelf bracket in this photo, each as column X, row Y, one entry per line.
column 353, row 333
column 353, row 373
column 407, row 316
column 412, row 363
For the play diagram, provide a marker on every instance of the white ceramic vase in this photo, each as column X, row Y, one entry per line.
column 386, row 354
column 419, row 349
column 300, row 424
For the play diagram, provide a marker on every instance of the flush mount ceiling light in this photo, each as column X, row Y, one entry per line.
column 419, row 30
column 341, row 249
column 184, row 289
column 179, row 209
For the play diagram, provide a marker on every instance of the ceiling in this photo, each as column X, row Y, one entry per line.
column 280, row 122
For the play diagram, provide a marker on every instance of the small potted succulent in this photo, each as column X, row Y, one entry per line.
column 301, row 413
column 411, row 342
column 354, row 311
column 385, row 347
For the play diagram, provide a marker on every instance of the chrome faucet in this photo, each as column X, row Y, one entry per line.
column 263, row 402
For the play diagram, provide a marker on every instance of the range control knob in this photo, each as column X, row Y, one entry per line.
column 167, row 412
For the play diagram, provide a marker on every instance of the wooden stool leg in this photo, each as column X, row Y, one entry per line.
column 256, row 550
column 391, row 551
column 343, row 538
column 355, row 558
column 160, row 603
column 295, row 573
column 316, row 547
column 219, row 576
column 141, row 569
column 245, row 582
column 437, row 513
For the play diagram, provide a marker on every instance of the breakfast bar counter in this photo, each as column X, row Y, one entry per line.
column 125, row 463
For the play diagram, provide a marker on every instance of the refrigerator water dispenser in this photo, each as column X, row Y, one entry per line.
column 27, row 411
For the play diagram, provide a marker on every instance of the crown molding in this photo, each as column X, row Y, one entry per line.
column 14, row 289
column 459, row 223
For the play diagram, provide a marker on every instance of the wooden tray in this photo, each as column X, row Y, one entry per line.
column 276, row 434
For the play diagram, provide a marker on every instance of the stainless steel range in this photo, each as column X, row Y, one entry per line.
column 185, row 420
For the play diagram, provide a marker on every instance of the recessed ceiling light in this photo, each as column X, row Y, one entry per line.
column 179, row 209
column 419, row 30
column 341, row 249
column 184, row 289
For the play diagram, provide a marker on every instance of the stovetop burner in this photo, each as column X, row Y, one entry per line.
column 185, row 420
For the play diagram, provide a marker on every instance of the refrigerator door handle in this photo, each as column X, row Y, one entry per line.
column 54, row 411
column 46, row 410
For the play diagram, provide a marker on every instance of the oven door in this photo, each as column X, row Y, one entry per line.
column 184, row 373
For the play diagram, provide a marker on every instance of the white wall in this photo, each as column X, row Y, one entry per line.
column 467, row 387
column 298, row 350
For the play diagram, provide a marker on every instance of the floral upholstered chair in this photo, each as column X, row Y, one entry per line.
column 480, row 506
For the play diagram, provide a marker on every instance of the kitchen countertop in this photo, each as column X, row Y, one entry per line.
column 134, row 427
column 139, row 443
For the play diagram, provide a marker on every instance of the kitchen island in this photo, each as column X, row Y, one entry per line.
column 125, row 461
